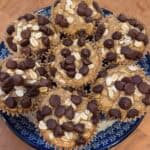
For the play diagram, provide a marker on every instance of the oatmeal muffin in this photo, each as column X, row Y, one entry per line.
column 124, row 94
column 22, row 81
column 75, row 66
column 66, row 119
column 121, row 39
column 30, row 33
column 71, row 16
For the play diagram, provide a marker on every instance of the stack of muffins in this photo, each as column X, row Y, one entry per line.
column 72, row 67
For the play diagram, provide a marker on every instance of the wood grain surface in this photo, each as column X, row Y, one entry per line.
column 11, row 9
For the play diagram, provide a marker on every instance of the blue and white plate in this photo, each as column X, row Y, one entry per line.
column 104, row 140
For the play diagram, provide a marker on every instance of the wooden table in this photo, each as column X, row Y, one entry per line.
column 10, row 9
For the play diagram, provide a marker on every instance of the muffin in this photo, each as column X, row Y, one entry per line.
column 30, row 33
column 66, row 119
column 75, row 66
column 22, row 81
column 72, row 16
column 124, row 94
column 121, row 40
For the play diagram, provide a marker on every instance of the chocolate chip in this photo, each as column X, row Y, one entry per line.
column 42, row 71
column 51, row 124
column 26, row 34
column 69, row 113
column 10, row 29
column 130, row 53
column 46, row 111
column 111, row 56
column 69, row 59
column 60, row 111
column 67, row 42
column 99, row 31
column 146, row 100
column 26, row 51
column 55, row 100
column 98, row 88
column 3, row 76
column 132, row 113
column 7, row 84
column 95, row 118
column 144, row 88
column 39, row 116
column 129, row 88
column 22, row 65
column 29, row 17
column 88, row 19
column 11, row 45
column 92, row 106
column 109, row 43
column 51, row 58
column 81, row 33
column 114, row 113
column 24, row 42
column 76, row 99
column 42, row 20
column 46, row 41
column 53, row 71
column 133, row 33
column 125, row 103
column 70, row 67
column 142, row 37
column 11, row 64
column 46, row 30
column 126, row 80
column 102, row 74
column 32, row 91
column 58, row 132
column 84, row 70
column 80, row 140
column 119, row 85
column 122, row 18
column 71, row 73
column 18, row 80
column 86, row 61
column 11, row 102
column 81, row 10
column 68, row 126
column 44, row 83
column 85, row 52
column 79, row 128
column 140, row 26
column 29, row 63
column 133, row 22
column 26, row 102
column 65, row 52
column 136, row 79
column 117, row 35
column 81, row 41
column 61, row 21
column 97, row 7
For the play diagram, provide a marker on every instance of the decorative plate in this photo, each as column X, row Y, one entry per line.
column 113, row 134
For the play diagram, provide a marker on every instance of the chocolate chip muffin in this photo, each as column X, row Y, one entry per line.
column 22, row 81
column 125, row 93
column 75, row 66
column 121, row 39
column 71, row 16
column 31, row 33
column 67, row 119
